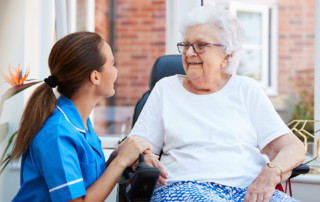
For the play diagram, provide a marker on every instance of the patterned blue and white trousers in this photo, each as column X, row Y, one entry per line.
column 205, row 192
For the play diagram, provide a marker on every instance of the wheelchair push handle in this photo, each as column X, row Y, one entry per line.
column 128, row 171
column 141, row 158
column 141, row 184
column 141, row 163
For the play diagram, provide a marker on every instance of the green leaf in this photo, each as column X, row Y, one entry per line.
column 5, row 165
column 12, row 136
column 4, row 128
column 13, row 91
column 9, row 143
column 7, row 159
column 17, row 89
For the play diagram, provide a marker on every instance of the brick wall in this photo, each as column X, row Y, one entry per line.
column 296, row 43
column 140, row 41
column 296, row 56
column 102, row 15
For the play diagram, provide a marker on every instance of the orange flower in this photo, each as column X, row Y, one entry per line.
column 16, row 79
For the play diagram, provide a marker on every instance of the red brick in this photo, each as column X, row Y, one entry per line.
column 129, row 36
column 148, row 22
column 148, row 9
column 129, row 23
column 158, row 29
column 140, row 15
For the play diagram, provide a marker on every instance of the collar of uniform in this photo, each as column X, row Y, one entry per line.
column 71, row 113
column 94, row 141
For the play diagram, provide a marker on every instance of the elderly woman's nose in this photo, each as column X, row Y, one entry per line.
column 190, row 52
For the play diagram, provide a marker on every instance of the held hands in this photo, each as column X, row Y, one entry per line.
column 263, row 187
column 130, row 148
column 152, row 160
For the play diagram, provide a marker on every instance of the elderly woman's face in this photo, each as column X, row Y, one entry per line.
column 203, row 69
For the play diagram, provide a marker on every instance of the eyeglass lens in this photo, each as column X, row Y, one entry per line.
column 197, row 47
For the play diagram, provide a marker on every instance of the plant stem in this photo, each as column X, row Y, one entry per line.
column 9, row 143
column 8, row 158
column 5, row 165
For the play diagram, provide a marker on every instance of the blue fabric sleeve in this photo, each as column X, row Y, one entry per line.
column 58, row 162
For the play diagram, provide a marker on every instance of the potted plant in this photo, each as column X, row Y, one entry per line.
column 17, row 81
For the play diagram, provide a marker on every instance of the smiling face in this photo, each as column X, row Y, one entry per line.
column 204, row 69
column 109, row 73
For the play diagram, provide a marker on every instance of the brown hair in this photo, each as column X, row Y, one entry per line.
column 71, row 61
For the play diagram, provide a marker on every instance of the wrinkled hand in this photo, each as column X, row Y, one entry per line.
column 130, row 148
column 152, row 160
column 263, row 187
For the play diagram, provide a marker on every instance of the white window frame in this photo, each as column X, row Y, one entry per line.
column 264, row 47
column 269, row 63
column 66, row 16
column 269, row 57
column 175, row 11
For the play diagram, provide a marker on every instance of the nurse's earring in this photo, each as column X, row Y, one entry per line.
column 97, row 84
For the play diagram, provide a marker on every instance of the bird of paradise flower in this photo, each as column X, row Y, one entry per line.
column 15, row 79
column 17, row 82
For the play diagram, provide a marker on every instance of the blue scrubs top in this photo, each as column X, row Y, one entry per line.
column 63, row 159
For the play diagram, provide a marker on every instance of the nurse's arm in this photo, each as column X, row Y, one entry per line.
column 101, row 189
column 112, row 156
column 126, row 154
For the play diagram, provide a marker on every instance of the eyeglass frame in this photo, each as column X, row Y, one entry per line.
column 206, row 44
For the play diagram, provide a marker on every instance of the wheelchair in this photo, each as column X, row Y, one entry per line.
column 165, row 66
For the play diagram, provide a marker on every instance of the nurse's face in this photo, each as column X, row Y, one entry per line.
column 109, row 73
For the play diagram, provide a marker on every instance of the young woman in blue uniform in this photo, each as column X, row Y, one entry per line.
column 62, row 159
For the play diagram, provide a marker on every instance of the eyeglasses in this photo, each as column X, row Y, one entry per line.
column 198, row 47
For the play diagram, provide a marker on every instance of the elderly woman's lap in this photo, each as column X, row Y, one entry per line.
column 195, row 191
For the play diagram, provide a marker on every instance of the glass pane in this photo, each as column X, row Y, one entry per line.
column 251, row 23
column 113, row 120
column 250, row 64
column 135, row 31
column 250, row 61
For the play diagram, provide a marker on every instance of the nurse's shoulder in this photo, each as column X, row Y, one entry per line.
column 53, row 131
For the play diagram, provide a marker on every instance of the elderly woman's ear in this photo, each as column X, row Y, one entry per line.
column 225, row 60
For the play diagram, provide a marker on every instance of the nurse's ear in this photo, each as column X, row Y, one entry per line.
column 95, row 77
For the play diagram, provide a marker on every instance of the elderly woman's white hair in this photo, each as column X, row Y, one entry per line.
column 228, row 31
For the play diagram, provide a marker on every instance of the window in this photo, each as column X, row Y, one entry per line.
column 259, row 59
column 136, row 33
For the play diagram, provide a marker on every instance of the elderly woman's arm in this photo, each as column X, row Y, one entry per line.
column 287, row 152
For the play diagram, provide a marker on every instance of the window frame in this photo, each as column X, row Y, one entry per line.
column 269, row 63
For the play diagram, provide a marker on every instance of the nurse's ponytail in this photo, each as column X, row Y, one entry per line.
column 71, row 61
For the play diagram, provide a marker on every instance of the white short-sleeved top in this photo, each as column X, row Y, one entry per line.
column 210, row 138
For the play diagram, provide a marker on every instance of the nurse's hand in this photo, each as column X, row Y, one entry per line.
column 263, row 187
column 152, row 160
column 130, row 148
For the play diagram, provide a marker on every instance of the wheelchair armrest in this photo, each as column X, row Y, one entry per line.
column 302, row 169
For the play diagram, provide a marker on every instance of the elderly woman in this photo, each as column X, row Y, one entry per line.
column 212, row 125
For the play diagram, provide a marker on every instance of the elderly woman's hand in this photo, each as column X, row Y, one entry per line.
column 263, row 187
column 152, row 160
